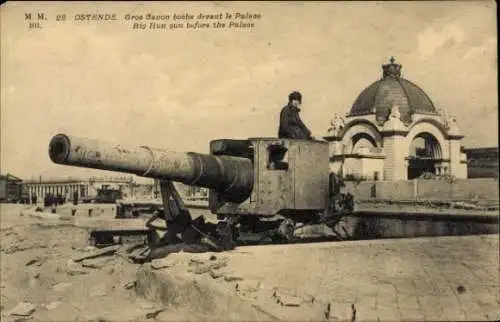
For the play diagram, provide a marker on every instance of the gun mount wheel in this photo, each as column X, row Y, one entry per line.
column 228, row 234
column 286, row 229
column 277, row 228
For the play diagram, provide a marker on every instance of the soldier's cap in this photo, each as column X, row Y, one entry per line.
column 295, row 96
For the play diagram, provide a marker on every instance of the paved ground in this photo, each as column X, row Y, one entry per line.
column 431, row 279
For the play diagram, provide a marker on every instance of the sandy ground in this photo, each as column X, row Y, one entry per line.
column 36, row 268
column 449, row 278
column 41, row 281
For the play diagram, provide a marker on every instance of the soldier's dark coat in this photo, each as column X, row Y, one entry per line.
column 291, row 126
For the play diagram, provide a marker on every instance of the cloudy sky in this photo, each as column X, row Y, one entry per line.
column 180, row 89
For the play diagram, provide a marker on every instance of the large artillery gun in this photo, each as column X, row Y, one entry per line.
column 258, row 185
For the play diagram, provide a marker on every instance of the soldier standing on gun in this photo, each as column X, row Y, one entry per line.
column 291, row 126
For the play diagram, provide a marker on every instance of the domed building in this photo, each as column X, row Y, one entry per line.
column 394, row 132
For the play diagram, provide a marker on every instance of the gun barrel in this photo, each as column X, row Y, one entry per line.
column 232, row 176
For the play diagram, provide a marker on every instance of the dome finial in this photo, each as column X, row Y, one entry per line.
column 392, row 69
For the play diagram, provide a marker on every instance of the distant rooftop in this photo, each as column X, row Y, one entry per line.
column 492, row 151
column 125, row 179
column 9, row 176
column 481, row 149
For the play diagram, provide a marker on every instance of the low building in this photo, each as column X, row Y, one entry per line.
column 482, row 162
column 86, row 187
column 11, row 188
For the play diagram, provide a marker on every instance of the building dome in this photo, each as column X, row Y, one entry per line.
column 392, row 89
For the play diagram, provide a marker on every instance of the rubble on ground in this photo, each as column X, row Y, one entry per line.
column 21, row 245
column 23, row 309
column 213, row 271
column 96, row 262
column 34, row 262
column 61, row 287
column 129, row 285
column 52, row 305
column 97, row 253
column 74, row 268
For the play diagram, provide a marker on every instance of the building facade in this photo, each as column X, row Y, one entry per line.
column 394, row 132
column 86, row 187
column 482, row 162
column 11, row 189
